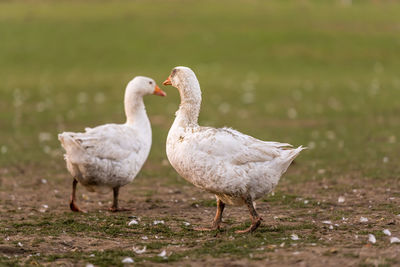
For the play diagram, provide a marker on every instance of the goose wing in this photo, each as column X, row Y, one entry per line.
column 231, row 145
column 110, row 141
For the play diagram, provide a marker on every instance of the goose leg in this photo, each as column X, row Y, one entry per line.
column 255, row 218
column 72, row 204
column 218, row 218
column 114, row 207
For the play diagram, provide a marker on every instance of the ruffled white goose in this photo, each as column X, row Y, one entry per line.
column 236, row 167
column 111, row 155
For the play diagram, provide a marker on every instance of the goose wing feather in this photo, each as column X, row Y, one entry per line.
column 236, row 147
column 110, row 141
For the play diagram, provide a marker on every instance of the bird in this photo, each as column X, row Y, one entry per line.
column 109, row 156
column 236, row 167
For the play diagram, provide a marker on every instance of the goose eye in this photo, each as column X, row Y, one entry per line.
column 150, row 82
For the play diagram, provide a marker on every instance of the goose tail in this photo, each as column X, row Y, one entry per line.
column 74, row 151
column 288, row 156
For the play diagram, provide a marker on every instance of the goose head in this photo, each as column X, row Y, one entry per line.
column 180, row 76
column 142, row 86
column 135, row 90
column 184, row 79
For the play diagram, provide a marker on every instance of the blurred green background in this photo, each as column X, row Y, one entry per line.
column 324, row 74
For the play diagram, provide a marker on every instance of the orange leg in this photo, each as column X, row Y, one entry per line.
column 72, row 204
column 218, row 218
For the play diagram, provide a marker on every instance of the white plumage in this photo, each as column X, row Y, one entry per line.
column 111, row 155
column 236, row 167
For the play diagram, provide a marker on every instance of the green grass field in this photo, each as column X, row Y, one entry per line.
column 324, row 74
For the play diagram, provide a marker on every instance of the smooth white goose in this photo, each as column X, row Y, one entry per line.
column 111, row 155
column 237, row 168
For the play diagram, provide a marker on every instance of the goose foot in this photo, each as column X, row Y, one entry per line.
column 255, row 218
column 217, row 220
column 254, row 225
column 72, row 204
column 74, row 207
column 114, row 207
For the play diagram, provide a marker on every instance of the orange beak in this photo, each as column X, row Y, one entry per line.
column 167, row 81
column 158, row 91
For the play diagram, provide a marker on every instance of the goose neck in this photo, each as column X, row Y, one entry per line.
column 135, row 111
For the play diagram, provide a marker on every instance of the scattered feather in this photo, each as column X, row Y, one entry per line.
column 133, row 222
column 186, row 223
column 139, row 251
column 44, row 208
column 341, row 199
column 158, row 222
column 89, row 265
column 294, row 237
column 326, row 222
column 387, row 232
column 363, row 219
column 128, row 260
column 371, row 238
column 162, row 254
column 145, row 237
column 394, row 240
column 20, row 244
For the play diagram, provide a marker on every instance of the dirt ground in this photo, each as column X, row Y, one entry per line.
column 330, row 232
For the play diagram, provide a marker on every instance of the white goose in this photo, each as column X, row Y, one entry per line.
column 237, row 168
column 111, row 155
